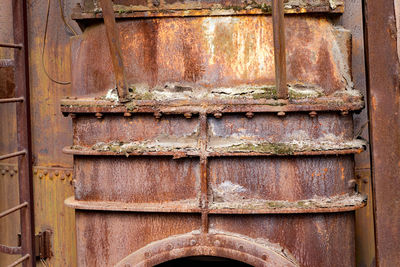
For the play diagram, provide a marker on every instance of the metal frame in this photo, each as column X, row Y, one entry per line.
column 27, row 247
column 384, row 96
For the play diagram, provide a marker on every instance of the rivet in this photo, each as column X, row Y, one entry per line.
column 217, row 243
column 62, row 177
column 56, row 173
column 192, row 242
column 68, row 174
column 281, row 114
column 127, row 114
column 35, row 172
column 351, row 183
column 147, row 254
column 344, row 112
column 169, row 247
column 73, row 181
column 15, row 169
column 218, row 115
column 98, row 115
column 249, row 115
column 157, row 115
column 3, row 172
column 264, row 257
column 240, row 247
column 11, row 173
column 188, row 115
column 46, row 172
column 73, row 115
column 41, row 176
column 312, row 114
column 365, row 181
column 7, row 169
column 67, row 97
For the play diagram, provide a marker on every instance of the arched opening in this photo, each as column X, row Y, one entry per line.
column 209, row 261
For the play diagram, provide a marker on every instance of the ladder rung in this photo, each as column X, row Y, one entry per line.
column 11, row 100
column 8, row 45
column 20, row 206
column 11, row 155
column 20, row 260
column 10, row 250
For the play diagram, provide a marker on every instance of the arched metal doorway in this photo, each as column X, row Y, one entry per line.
column 237, row 248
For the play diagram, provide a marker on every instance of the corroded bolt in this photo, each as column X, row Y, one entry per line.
column 98, row 115
column 192, row 242
column 188, row 115
column 127, row 114
column 313, row 114
column 281, row 113
column 240, row 247
column 157, row 115
column 351, row 183
column 218, row 115
column 249, row 115
column 73, row 115
column 264, row 257
column 344, row 112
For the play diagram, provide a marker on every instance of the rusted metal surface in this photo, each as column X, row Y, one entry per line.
column 353, row 20
column 13, row 209
column 160, row 55
column 384, row 99
column 145, row 8
column 10, row 250
column 278, row 25
column 115, row 49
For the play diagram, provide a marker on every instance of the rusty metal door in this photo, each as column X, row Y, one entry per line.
column 222, row 131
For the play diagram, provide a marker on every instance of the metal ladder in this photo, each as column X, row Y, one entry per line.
column 24, row 154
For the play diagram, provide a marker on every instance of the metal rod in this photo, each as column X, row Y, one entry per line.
column 11, row 155
column 20, row 260
column 10, row 250
column 8, row 45
column 279, row 48
column 20, row 206
column 12, row 100
column 115, row 49
column 21, row 59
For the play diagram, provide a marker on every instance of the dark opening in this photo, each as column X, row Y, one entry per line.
column 208, row 261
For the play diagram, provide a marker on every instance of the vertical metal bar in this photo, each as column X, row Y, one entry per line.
column 203, row 172
column 115, row 49
column 279, row 48
column 24, row 129
column 383, row 68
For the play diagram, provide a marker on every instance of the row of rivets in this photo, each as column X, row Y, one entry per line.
column 217, row 115
column 61, row 174
column 8, row 170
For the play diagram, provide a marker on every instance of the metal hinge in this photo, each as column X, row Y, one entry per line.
column 42, row 244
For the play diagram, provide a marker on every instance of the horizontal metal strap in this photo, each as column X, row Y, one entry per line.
column 12, row 100
column 20, row 206
column 8, row 45
column 11, row 155
column 20, row 260
column 10, row 250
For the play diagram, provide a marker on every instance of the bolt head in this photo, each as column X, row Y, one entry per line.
column 188, row 115
column 312, row 114
column 281, row 113
column 218, row 115
column 249, row 115
column 127, row 114
column 98, row 115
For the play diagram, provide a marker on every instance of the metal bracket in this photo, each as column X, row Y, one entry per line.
column 42, row 244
